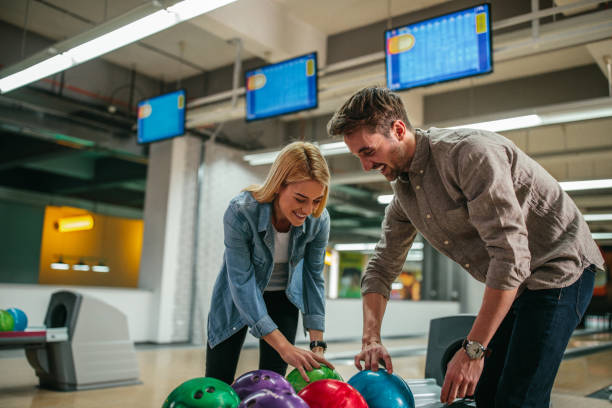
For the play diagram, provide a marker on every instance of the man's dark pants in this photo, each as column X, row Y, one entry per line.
column 528, row 346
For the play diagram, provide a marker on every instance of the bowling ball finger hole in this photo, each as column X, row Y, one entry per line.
column 198, row 394
column 251, row 403
column 266, row 377
column 256, row 378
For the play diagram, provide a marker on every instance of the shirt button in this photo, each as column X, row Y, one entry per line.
column 467, row 265
column 428, row 216
column 445, row 242
column 418, row 187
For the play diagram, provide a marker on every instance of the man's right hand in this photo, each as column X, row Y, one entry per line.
column 372, row 354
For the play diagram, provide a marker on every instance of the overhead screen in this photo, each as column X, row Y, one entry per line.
column 444, row 48
column 161, row 117
column 284, row 87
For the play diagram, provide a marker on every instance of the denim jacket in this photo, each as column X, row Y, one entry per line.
column 237, row 298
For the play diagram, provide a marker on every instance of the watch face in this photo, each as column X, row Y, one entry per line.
column 473, row 350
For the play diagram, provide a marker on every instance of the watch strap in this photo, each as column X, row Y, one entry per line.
column 486, row 352
column 318, row 343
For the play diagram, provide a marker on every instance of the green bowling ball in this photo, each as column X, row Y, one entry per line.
column 202, row 392
column 322, row 373
column 7, row 323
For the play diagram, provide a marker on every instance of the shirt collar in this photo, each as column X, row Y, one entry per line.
column 421, row 152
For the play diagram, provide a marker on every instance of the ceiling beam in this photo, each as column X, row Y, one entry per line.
column 267, row 29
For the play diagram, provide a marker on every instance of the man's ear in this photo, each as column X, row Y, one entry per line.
column 399, row 128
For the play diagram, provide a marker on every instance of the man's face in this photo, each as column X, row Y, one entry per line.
column 377, row 152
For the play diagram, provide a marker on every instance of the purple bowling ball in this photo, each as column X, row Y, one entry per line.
column 258, row 380
column 269, row 399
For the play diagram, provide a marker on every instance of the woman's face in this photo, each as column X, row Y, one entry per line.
column 296, row 201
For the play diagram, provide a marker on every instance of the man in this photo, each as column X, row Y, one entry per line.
column 485, row 204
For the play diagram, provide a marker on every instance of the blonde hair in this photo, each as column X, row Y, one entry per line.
column 297, row 162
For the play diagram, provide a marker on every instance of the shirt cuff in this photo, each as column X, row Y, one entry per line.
column 375, row 285
column 505, row 275
column 314, row 322
column 264, row 326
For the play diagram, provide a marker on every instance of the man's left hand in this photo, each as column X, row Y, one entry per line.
column 462, row 375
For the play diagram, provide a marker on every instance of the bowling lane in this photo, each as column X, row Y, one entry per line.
column 163, row 368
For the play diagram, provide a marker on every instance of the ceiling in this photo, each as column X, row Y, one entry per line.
column 68, row 145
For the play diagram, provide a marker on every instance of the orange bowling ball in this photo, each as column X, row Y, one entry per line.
column 332, row 394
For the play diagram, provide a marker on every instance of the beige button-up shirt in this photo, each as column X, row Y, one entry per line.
column 485, row 204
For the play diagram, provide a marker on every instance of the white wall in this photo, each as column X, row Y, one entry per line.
column 136, row 304
column 343, row 320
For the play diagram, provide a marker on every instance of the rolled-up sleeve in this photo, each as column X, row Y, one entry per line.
column 385, row 265
column 484, row 175
column 241, row 275
column 314, row 284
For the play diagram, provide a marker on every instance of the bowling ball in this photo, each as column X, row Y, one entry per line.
column 332, row 394
column 382, row 390
column 316, row 374
column 202, row 392
column 268, row 399
column 20, row 318
column 7, row 323
column 258, row 380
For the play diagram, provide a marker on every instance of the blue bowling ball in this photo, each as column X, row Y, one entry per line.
column 21, row 320
column 383, row 390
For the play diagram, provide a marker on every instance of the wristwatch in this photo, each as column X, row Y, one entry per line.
column 475, row 350
column 318, row 343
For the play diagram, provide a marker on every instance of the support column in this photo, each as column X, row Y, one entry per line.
column 169, row 213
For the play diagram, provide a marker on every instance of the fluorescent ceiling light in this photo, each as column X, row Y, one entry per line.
column 80, row 267
column 60, row 266
column 327, row 149
column 103, row 39
column 518, row 122
column 41, row 70
column 586, row 184
column 331, row 149
column 100, row 268
column 565, row 185
column 598, row 217
column 600, row 236
column 122, row 36
column 258, row 159
column 384, row 199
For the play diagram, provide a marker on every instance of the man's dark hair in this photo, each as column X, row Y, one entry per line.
column 372, row 108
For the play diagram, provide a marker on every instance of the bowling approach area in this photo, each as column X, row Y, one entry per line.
column 162, row 368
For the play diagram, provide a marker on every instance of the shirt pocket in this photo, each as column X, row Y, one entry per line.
column 457, row 221
column 258, row 258
column 297, row 255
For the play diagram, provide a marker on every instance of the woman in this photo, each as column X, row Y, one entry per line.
column 275, row 239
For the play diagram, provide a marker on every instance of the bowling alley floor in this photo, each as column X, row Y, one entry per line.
column 164, row 367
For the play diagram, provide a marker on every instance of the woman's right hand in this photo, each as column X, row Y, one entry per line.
column 303, row 360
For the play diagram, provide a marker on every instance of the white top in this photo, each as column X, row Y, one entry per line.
column 280, row 273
